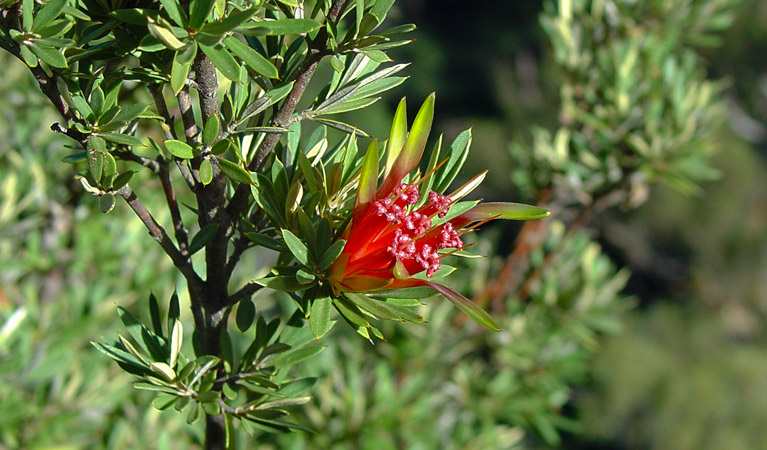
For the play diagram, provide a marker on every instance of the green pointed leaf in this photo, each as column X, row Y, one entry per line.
column 293, row 357
column 95, row 163
column 119, row 355
column 282, row 283
column 28, row 10
column 223, row 61
column 297, row 248
column 110, row 167
column 48, row 55
column 332, row 253
column 83, row 108
column 456, row 156
column 251, row 57
column 234, row 20
column 470, row 308
column 509, row 211
column 297, row 387
column 210, row 131
column 48, row 12
column 266, row 241
column 380, row 9
column 246, row 312
column 123, row 179
column 124, row 139
column 234, row 171
column 141, row 334
column 279, row 27
column 199, row 10
column 319, row 319
column 283, row 403
column 130, row 113
column 176, row 14
column 174, row 310
column 376, row 308
column 179, row 149
column 97, row 100
column 176, row 339
column 29, row 58
column 202, row 237
column 165, row 36
column 154, row 313
column 230, row 434
column 179, row 71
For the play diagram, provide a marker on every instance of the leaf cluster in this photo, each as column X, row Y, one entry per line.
column 637, row 107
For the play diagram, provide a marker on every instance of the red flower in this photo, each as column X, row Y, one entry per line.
column 390, row 239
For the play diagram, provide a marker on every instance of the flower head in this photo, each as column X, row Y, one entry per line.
column 395, row 234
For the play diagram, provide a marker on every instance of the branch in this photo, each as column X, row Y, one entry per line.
column 207, row 85
column 187, row 114
column 126, row 155
column 162, row 109
column 175, row 214
column 246, row 291
column 158, row 234
column 241, row 244
column 82, row 138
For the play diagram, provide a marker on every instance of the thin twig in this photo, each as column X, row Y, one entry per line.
column 246, row 291
column 241, row 243
column 158, row 233
column 170, row 197
column 162, row 109
column 72, row 133
column 126, row 155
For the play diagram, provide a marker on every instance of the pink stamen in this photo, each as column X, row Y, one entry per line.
column 441, row 202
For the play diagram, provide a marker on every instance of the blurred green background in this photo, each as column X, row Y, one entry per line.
column 688, row 370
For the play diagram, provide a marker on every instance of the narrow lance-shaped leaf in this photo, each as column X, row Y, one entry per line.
column 470, row 308
column 234, row 171
column 251, row 57
column 224, row 62
column 279, row 27
column 297, row 248
column 165, row 36
column 48, row 55
column 509, row 211
column 456, row 156
column 176, row 337
column 199, row 10
column 49, row 12
column 173, row 8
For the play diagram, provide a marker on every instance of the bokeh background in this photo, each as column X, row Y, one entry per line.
column 680, row 361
